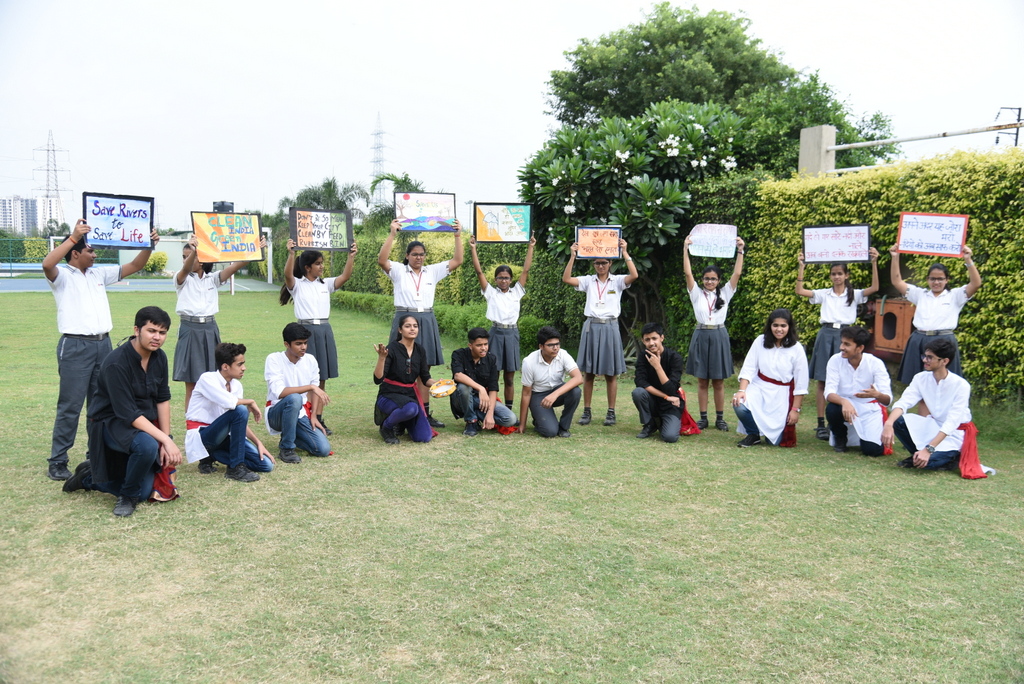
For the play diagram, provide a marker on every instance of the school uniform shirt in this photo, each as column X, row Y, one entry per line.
column 211, row 399
column 604, row 300
column 646, row 376
column 197, row 294
column 483, row 372
column 949, row 404
column 937, row 313
column 834, row 308
column 280, row 373
column 843, row 379
column 541, row 376
column 416, row 291
column 82, row 306
column 703, row 303
column 312, row 298
column 768, row 402
column 503, row 307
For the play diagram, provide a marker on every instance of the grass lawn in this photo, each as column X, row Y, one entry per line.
column 600, row 558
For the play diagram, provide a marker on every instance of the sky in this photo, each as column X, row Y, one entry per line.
column 194, row 102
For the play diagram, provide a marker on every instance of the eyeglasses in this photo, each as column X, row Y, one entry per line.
column 503, row 278
column 602, row 263
column 929, row 357
column 408, row 366
column 417, row 254
column 552, row 345
column 938, row 280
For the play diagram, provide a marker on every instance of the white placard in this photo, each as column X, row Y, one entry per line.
column 713, row 240
column 831, row 244
column 935, row 234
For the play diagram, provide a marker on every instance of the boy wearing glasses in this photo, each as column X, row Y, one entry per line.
column 545, row 387
column 83, row 319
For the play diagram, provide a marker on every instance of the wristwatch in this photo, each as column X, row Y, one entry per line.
column 930, row 448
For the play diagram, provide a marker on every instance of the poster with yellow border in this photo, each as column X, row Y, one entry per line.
column 226, row 237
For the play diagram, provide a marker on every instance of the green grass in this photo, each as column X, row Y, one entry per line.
column 599, row 558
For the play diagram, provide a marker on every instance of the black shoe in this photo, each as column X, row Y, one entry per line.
column 58, row 471
column 125, row 506
column 208, row 465
column 327, row 430
column 749, row 441
column 839, row 447
column 564, row 433
column 389, row 435
column 585, row 418
column 645, row 431
column 609, row 418
column 472, row 429
column 434, row 422
column 906, row 463
column 722, row 425
column 821, row 433
column 289, row 456
column 74, row 483
column 400, row 430
column 702, row 424
column 241, row 473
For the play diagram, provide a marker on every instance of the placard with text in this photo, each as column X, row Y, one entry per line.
column 713, row 240
column 224, row 237
column 321, row 230
column 934, row 234
column 118, row 221
column 831, row 244
column 598, row 242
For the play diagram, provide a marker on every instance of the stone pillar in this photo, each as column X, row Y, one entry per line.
column 815, row 157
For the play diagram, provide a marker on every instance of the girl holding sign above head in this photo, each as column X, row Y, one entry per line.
column 937, row 311
column 838, row 309
column 601, row 343
column 198, row 334
column 503, row 313
column 710, row 355
column 304, row 284
column 415, row 283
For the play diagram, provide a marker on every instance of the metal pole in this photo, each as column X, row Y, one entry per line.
column 890, row 141
column 270, row 258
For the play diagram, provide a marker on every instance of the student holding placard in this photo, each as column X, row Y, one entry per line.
column 304, row 284
column 415, row 283
column 503, row 313
column 937, row 311
column 838, row 310
column 198, row 304
column 710, row 356
column 601, row 343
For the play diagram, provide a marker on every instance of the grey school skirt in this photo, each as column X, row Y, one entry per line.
column 826, row 345
column 710, row 356
column 322, row 347
column 505, row 347
column 911, row 363
column 429, row 337
column 193, row 354
column 601, row 349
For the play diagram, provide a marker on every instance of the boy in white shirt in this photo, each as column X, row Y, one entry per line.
column 294, row 397
column 857, row 386
column 545, row 387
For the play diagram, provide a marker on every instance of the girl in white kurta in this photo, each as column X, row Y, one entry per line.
column 838, row 309
column 773, row 382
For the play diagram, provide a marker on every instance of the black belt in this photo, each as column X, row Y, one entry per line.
column 313, row 321
column 833, row 325
column 507, row 327
column 101, row 336
column 594, row 319
column 197, row 319
column 931, row 333
column 710, row 326
column 427, row 309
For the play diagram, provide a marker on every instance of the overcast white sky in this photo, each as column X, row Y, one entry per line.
column 192, row 102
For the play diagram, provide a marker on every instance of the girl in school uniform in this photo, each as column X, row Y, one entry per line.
column 197, row 306
column 773, row 382
column 415, row 283
column 710, row 356
column 305, row 286
column 503, row 313
column 838, row 309
column 937, row 311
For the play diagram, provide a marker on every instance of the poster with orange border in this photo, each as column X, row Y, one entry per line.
column 598, row 242
column 224, row 237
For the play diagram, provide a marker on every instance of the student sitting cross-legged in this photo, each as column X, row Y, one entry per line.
column 545, row 387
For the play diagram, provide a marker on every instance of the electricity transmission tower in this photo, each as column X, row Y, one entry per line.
column 54, row 206
column 379, row 193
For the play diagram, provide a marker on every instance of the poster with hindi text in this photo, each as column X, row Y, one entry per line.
column 321, row 230
column 713, row 240
column 118, row 221
column 934, row 234
column 226, row 237
column 432, row 212
column 598, row 242
column 493, row 222
column 831, row 244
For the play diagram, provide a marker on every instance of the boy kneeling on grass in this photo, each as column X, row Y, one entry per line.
column 545, row 387
column 294, row 397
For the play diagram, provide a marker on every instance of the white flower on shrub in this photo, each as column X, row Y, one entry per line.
column 569, row 209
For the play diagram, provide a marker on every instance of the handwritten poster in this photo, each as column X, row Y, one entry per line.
column 598, row 242
column 425, row 211
column 713, row 240
column 321, row 230
column 118, row 221
column 935, row 234
column 502, row 222
column 224, row 237
column 829, row 244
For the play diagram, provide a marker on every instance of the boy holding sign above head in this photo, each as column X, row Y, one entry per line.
column 601, row 343
column 83, row 318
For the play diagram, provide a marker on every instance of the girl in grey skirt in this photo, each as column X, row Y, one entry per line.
column 503, row 313
column 710, row 355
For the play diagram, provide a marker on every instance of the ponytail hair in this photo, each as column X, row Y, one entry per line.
column 304, row 261
column 719, row 302
column 846, row 283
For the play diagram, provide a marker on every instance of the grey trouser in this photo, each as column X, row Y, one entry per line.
column 670, row 422
column 78, row 363
column 545, row 421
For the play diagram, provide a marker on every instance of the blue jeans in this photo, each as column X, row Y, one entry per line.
column 143, row 464
column 288, row 417
column 225, row 439
column 467, row 402
column 940, row 459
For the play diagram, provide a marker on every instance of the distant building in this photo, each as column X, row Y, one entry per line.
column 22, row 215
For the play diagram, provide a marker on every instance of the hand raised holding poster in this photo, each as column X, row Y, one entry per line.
column 226, row 237
column 502, row 222
column 831, row 244
column 713, row 240
column 425, row 211
column 118, row 221
column 598, row 242
column 934, row 234
column 321, row 230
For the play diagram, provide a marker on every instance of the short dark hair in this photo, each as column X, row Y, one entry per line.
column 857, row 334
column 227, row 352
column 941, row 347
column 504, row 268
column 477, row 333
column 652, row 328
column 154, row 315
column 791, row 337
column 294, row 332
column 548, row 332
column 75, row 247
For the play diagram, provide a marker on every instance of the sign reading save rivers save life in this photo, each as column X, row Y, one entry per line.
column 118, row 221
